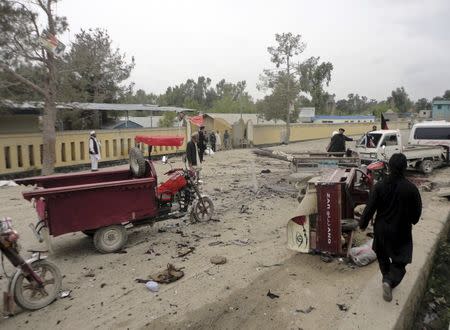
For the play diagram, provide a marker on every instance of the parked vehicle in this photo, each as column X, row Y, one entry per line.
column 36, row 281
column 430, row 133
column 381, row 145
column 102, row 204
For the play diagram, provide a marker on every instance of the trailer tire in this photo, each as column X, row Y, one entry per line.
column 110, row 239
column 349, row 224
column 426, row 166
column 138, row 164
column 89, row 232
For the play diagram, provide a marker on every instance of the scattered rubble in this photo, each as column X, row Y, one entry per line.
column 272, row 295
column 218, row 260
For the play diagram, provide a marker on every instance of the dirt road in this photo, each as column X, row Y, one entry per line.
column 233, row 295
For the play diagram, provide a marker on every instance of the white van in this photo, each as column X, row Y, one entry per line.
column 430, row 133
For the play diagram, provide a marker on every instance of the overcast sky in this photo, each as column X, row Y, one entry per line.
column 374, row 46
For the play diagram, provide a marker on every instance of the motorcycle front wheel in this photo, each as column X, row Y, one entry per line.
column 203, row 212
column 28, row 295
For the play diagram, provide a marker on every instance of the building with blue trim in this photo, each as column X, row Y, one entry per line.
column 441, row 110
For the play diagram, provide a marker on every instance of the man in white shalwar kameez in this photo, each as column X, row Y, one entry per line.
column 94, row 151
column 218, row 141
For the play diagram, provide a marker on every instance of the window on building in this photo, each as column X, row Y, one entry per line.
column 439, row 106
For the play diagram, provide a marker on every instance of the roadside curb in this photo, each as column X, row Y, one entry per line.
column 369, row 311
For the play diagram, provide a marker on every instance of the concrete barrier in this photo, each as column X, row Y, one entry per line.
column 23, row 152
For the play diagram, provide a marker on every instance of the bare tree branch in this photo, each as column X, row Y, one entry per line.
column 23, row 80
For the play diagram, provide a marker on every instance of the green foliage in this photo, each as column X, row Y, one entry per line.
column 446, row 95
column 93, row 70
column 355, row 105
column 168, row 119
column 422, row 104
column 313, row 76
column 399, row 100
column 378, row 108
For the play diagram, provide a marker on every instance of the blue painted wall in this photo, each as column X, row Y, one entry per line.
column 441, row 110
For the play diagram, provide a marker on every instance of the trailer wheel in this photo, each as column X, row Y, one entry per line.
column 426, row 166
column 137, row 162
column 110, row 239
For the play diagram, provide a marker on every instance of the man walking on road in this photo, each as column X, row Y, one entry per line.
column 94, row 151
column 337, row 143
column 201, row 142
column 399, row 206
column 192, row 155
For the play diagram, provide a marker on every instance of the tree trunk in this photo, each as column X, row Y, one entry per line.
column 49, row 118
column 49, row 137
column 290, row 105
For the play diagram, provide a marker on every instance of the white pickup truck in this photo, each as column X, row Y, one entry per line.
column 381, row 145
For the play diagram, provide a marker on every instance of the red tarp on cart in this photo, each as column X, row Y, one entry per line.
column 160, row 140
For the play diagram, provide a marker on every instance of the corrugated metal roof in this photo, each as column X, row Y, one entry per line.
column 92, row 106
column 441, row 102
column 231, row 118
column 146, row 122
column 344, row 117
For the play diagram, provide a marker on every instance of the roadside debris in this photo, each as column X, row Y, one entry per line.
column 363, row 255
column 342, row 307
column 65, row 293
column 185, row 251
column 218, row 260
column 152, row 286
column 306, row 311
column 268, row 266
column 7, row 183
column 266, row 171
column 272, row 295
column 326, row 258
column 239, row 242
column 169, row 275
column 244, row 209
column 215, row 243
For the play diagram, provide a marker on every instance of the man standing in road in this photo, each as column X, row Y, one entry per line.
column 94, row 151
column 201, row 142
column 399, row 206
column 212, row 140
column 218, row 141
column 192, row 155
column 337, row 143
column 226, row 140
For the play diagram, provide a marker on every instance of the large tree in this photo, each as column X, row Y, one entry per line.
column 422, row 104
column 20, row 47
column 313, row 76
column 92, row 71
column 283, row 56
column 399, row 99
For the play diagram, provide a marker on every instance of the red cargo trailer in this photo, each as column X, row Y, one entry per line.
column 100, row 203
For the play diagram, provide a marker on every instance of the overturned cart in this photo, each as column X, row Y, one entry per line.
column 324, row 221
column 312, row 159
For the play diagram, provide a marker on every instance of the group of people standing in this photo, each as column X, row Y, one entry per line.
column 195, row 149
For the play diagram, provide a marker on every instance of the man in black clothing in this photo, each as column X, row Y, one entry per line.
column 192, row 151
column 337, row 143
column 212, row 140
column 399, row 206
column 201, row 142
